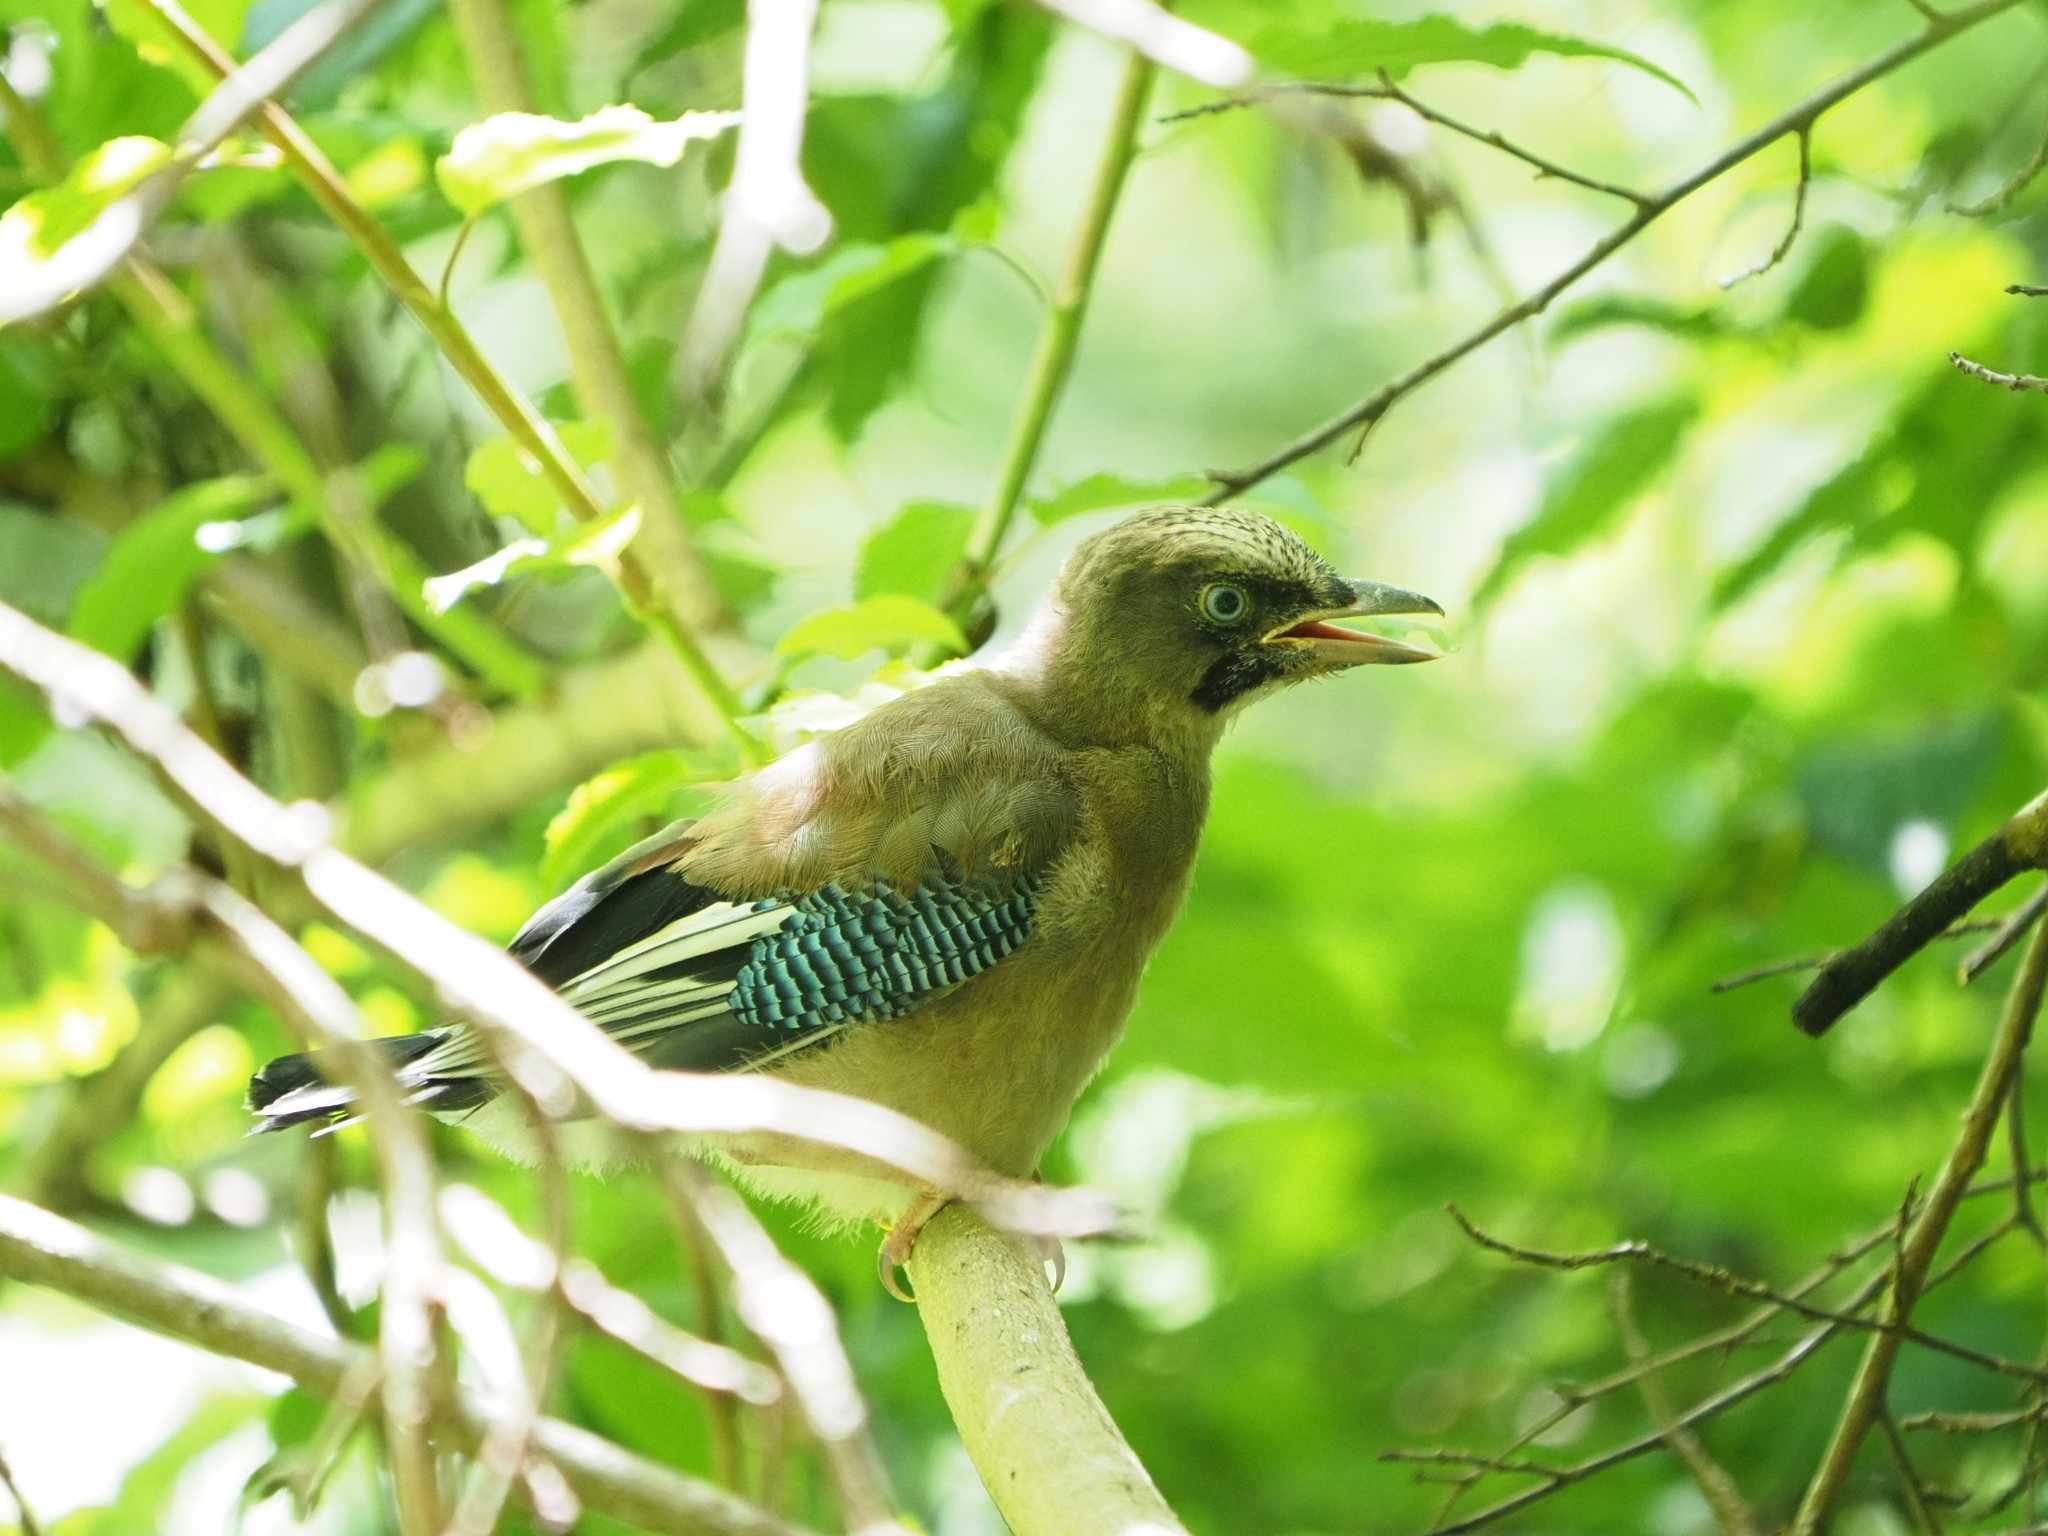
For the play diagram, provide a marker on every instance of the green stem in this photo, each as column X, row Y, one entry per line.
column 1054, row 358
column 166, row 320
column 603, row 387
column 527, row 426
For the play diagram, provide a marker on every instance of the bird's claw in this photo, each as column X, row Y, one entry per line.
column 890, row 1268
column 1052, row 1252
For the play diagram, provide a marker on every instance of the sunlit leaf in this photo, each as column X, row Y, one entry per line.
column 1338, row 49
column 510, row 482
column 914, row 552
column 38, row 227
column 597, row 543
column 153, row 562
column 1595, row 488
column 889, row 623
column 609, row 812
column 801, row 302
column 513, row 152
column 1098, row 492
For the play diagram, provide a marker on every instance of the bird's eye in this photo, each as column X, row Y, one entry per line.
column 1224, row 604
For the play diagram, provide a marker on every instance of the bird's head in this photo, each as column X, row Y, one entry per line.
column 1178, row 616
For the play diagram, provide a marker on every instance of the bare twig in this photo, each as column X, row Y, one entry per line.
column 1784, row 247
column 2008, row 931
column 768, row 205
column 1866, row 1400
column 1847, row 979
column 1387, row 90
column 1731, row 1510
column 2014, row 185
column 1796, row 119
column 2027, row 290
column 23, row 1515
column 1962, row 930
column 180, row 1303
column 2012, row 381
column 1715, row 1278
column 1919, row 1503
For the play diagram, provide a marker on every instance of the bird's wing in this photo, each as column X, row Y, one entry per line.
column 841, row 887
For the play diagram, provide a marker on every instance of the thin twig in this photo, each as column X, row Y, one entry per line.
column 1866, row 1398
column 23, row 1515
column 1731, row 1510
column 1963, row 930
column 1803, row 116
column 2027, row 290
column 2010, row 189
column 1918, row 1503
column 1784, row 247
column 1053, row 358
column 2012, row 381
column 1715, row 1278
column 2007, row 932
column 1387, row 90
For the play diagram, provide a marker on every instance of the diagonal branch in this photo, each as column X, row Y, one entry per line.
column 1795, row 120
column 183, row 1304
column 1866, row 1400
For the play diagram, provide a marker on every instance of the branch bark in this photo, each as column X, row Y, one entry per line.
column 1048, row 1451
column 183, row 1304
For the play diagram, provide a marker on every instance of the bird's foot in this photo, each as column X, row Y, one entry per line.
column 893, row 1259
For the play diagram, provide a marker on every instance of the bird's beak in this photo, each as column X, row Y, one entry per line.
column 1334, row 647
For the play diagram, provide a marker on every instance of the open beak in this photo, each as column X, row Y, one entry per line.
column 1335, row 647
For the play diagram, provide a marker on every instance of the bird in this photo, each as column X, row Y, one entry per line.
column 945, row 906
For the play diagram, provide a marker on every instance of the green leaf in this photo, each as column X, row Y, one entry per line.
column 1339, row 49
column 598, row 543
column 1835, row 286
column 800, row 304
column 1609, row 310
column 514, row 152
column 155, row 41
column 888, row 623
column 606, row 814
column 510, row 483
column 42, row 561
column 914, row 552
column 26, row 402
column 153, row 562
column 1595, row 488
column 1113, row 490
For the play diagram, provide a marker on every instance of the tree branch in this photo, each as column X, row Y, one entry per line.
column 43, row 1249
column 1797, row 119
column 1046, row 1448
column 2012, row 381
column 2020, row 844
column 1866, row 1400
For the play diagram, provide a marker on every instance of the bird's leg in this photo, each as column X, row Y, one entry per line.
column 895, row 1250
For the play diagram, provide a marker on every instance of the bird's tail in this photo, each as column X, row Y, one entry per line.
column 295, row 1089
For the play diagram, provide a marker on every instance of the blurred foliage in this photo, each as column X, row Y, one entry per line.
column 1751, row 591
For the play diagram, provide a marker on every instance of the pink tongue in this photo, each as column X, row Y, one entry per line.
column 1315, row 630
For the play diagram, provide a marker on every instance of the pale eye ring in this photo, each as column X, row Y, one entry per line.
column 1223, row 603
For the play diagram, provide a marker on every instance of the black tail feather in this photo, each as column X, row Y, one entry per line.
column 293, row 1090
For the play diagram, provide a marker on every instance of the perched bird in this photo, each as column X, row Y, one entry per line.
column 944, row 907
